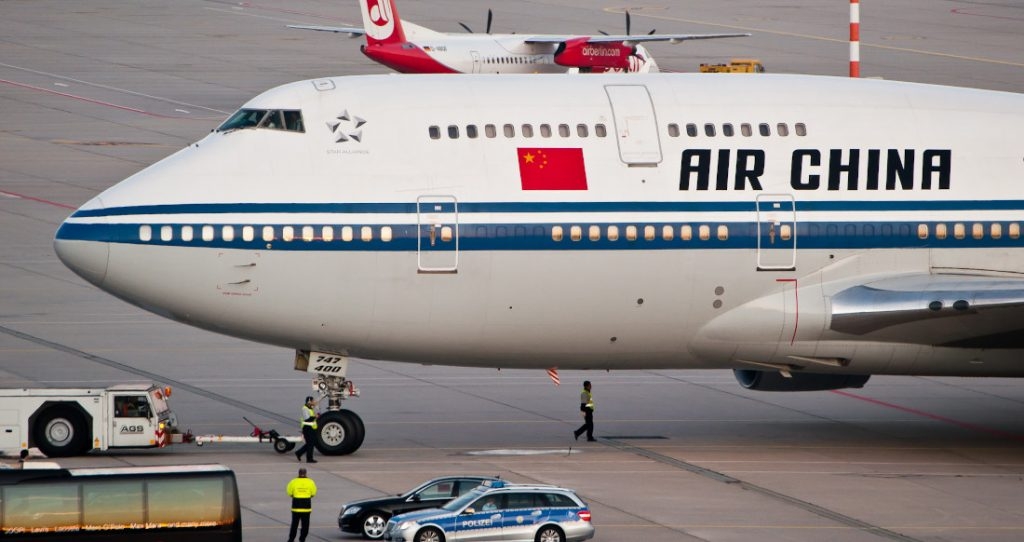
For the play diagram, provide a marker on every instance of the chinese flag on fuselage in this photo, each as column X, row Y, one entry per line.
column 551, row 169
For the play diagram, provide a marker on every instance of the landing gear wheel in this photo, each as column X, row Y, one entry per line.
column 359, row 427
column 430, row 534
column 373, row 524
column 283, row 445
column 337, row 433
column 61, row 432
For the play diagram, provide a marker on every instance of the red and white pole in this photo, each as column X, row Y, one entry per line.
column 854, row 38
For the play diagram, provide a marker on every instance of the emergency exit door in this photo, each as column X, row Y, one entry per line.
column 636, row 127
column 437, row 243
column 776, row 232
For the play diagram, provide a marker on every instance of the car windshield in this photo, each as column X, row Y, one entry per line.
column 461, row 502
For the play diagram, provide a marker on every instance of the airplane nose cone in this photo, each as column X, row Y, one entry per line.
column 85, row 257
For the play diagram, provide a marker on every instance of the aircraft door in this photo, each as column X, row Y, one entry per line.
column 437, row 244
column 636, row 127
column 776, row 232
column 476, row 61
column 133, row 422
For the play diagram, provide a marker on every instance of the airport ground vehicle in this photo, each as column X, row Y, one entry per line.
column 64, row 422
column 368, row 517
column 736, row 65
column 499, row 511
column 194, row 503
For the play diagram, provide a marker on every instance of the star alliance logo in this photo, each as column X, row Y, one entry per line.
column 346, row 127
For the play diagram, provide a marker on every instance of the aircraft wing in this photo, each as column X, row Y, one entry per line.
column 964, row 311
column 350, row 30
column 631, row 39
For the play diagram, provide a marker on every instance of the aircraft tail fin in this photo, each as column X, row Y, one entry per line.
column 380, row 19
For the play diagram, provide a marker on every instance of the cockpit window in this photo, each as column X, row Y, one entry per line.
column 273, row 119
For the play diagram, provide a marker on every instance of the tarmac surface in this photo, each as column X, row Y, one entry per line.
column 92, row 91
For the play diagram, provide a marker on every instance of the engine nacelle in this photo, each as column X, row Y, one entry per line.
column 580, row 53
column 774, row 381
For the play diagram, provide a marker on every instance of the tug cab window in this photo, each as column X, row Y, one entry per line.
column 289, row 120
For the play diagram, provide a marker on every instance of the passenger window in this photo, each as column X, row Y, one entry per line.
column 346, row 234
column 385, row 234
column 490, row 131
column 785, row 232
column 207, row 233
column 940, row 231
column 563, row 130
column 288, row 234
column 556, row 233
column 366, row 234
column 727, row 130
column 268, row 233
column 709, row 130
column 327, row 233
column 801, row 129
column 782, row 129
column 959, row 231
column 691, row 130
column 1014, row 231
column 575, row 233
column 145, row 233
column 453, row 132
column 435, row 132
column 581, row 130
column 595, row 233
column 248, row 233
column 673, row 130
column 746, row 130
column 978, row 231
column 613, row 233
column 227, row 233
column 631, row 233
column 922, row 231
column 600, row 130
column 704, row 232
column 648, row 233
column 186, row 233
column 438, row 491
column 527, row 130
column 510, row 131
column 996, row 231
column 166, row 233
column 764, row 129
column 307, row 233
column 471, row 131
column 685, row 233
column 545, row 130
column 667, row 233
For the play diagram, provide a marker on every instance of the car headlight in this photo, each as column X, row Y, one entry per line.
column 350, row 510
column 406, row 525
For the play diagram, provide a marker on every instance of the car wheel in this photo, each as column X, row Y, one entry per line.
column 550, row 533
column 374, row 523
column 430, row 534
column 61, row 432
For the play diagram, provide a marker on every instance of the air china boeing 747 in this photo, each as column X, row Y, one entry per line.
column 805, row 231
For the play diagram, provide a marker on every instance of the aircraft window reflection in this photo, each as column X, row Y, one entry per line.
column 977, row 231
column 293, row 121
column 510, row 131
column 801, row 129
column 166, row 233
column 453, row 132
column 563, row 130
column 667, row 233
column 207, row 233
column 145, row 233
column 940, row 231
column 1014, row 231
column 959, row 231
column 227, row 233
column 691, row 130
column 600, row 130
column 764, row 129
column 785, row 232
column 922, row 231
column 782, row 129
column 575, row 233
column 581, row 130
column 746, row 130
column 556, row 233
column 727, row 130
column 490, row 131
column 385, row 234
column 327, row 233
column 186, row 233
column 686, row 233
column 996, row 231
column 613, row 233
column 527, row 130
column 288, row 234
column 435, row 132
column 673, row 130
column 471, row 131
column 346, row 234
column 248, row 233
column 594, row 233
column 709, row 130
column 366, row 234
column 631, row 233
column 268, row 233
column 649, row 233
column 704, row 232
column 307, row 233
column 275, row 119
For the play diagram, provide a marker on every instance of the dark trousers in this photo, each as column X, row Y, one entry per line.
column 308, row 435
column 588, row 425
column 299, row 517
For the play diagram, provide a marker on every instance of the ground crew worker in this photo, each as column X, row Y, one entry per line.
column 301, row 490
column 587, row 408
column 308, row 421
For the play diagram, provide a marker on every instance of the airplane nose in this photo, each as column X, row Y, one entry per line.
column 87, row 258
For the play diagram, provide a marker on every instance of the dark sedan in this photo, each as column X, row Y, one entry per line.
column 368, row 517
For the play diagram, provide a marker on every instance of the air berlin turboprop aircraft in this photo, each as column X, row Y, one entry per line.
column 409, row 48
column 805, row 231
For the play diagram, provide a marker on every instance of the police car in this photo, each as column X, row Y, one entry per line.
column 498, row 510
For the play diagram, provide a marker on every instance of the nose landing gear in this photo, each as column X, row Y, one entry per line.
column 339, row 431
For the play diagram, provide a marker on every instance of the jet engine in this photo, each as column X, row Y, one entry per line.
column 774, row 381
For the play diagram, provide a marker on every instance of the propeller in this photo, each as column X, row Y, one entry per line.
column 628, row 27
column 490, row 17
